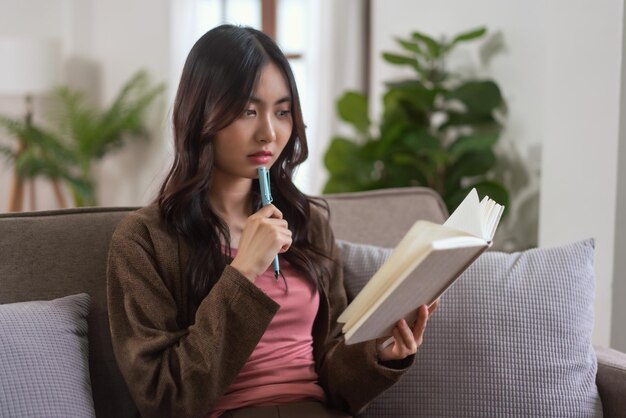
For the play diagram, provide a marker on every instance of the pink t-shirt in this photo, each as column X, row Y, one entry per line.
column 281, row 368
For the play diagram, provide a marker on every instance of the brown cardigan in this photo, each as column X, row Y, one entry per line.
column 178, row 362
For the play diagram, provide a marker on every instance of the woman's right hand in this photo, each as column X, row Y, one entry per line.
column 264, row 235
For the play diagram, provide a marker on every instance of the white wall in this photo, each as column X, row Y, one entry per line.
column 618, row 329
column 579, row 178
column 124, row 42
column 561, row 78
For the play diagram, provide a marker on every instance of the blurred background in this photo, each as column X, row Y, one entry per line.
column 535, row 90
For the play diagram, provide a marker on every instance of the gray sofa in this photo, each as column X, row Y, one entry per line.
column 47, row 255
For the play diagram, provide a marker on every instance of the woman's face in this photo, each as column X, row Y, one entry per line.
column 260, row 133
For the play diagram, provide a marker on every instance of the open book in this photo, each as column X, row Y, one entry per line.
column 423, row 265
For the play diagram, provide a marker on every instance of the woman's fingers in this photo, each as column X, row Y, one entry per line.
column 271, row 217
column 408, row 339
column 403, row 344
column 420, row 324
column 433, row 307
column 273, row 226
column 265, row 234
column 269, row 211
column 287, row 241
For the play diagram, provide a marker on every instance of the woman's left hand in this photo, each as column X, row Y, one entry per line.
column 407, row 340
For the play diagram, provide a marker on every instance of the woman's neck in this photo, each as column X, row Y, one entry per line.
column 232, row 200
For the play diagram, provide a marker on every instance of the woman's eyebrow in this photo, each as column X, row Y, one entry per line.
column 285, row 99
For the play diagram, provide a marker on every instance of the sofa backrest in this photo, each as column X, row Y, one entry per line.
column 382, row 217
column 46, row 255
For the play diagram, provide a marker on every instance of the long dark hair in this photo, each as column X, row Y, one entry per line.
column 218, row 79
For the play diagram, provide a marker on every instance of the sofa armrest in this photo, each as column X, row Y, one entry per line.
column 611, row 381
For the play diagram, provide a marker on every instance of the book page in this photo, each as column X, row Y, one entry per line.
column 467, row 216
column 458, row 242
column 477, row 218
column 493, row 219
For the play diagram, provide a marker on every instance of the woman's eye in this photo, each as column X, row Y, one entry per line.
column 249, row 112
column 283, row 113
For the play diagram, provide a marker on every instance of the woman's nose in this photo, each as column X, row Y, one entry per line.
column 266, row 131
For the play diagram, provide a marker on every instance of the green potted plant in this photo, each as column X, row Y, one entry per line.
column 438, row 129
column 79, row 134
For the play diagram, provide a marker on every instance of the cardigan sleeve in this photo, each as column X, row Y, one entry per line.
column 170, row 370
column 351, row 374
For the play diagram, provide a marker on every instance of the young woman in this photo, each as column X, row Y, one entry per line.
column 200, row 326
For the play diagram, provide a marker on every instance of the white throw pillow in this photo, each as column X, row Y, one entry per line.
column 44, row 368
column 512, row 337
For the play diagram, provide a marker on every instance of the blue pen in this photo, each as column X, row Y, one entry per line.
column 266, row 199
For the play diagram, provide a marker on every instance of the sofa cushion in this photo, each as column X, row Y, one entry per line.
column 512, row 337
column 44, row 370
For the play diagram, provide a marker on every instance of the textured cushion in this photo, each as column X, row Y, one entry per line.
column 44, row 368
column 512, row 337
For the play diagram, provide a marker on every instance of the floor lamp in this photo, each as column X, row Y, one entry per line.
column 30, row 68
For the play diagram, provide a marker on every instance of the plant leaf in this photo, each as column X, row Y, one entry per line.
column 492, row 46
column 410, row 46
column 481, row 121
column 397, row 59
column 44, row 153
column 434, row 47
column 389, row 137
column 351, row 163
column 8, row 152
column 414, row 91
column 481, row 97
column 82, row 190
column 405, row 171
column 475, row 142
column 13, row 126
column 406, row 108
column 418, row 142
column 353, row 108
column 470, row 164
column 125, row 116
column 454, row 197
column 340, row 154
column 468, row 36
column 76, row 120
column 421, row 169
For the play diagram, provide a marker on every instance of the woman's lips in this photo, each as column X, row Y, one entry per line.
column 260, row 158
